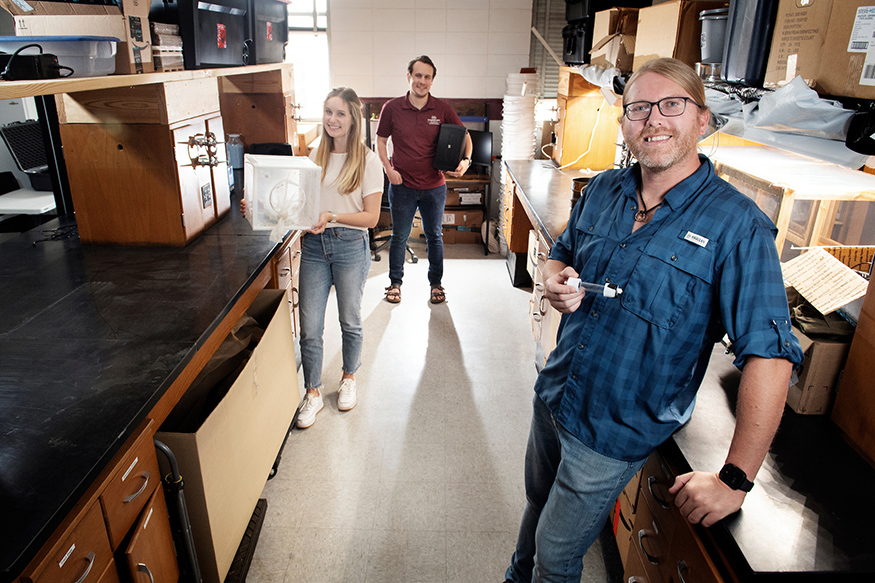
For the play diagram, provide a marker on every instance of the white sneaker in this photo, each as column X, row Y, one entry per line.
column 346, row 399
column 311, row 406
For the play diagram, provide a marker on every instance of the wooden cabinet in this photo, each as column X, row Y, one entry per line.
column 587, row 130
column 146, row 165
column 514, row 222
column 81, row 551
column 286, row 275
column 150, row 555
column 545, row 318
column 665, row 547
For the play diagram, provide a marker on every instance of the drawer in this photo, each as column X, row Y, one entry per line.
column 151, row 555
column 127, row 492
column 688, row 561
column 651, row 544
column 110, row 575
column 82, row 556
column 656, row 479
column 634, row 570
column 532, row 254
column 283, row 268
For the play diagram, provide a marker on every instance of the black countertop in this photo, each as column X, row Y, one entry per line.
column 809, row 517
column 91, row 337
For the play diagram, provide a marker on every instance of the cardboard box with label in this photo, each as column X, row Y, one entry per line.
column 130, row 24
column 829, row 43
column 814, row 392
column 614, row 31
column 463, row 218
column 671, row 29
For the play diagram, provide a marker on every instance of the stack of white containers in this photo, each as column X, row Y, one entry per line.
column 518, row 123
column 517, row 127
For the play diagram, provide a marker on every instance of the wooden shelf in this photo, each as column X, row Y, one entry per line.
column 19, row 89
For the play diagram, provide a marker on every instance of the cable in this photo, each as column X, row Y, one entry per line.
column 598, row 116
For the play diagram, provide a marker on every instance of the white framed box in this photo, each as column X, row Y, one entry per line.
column 281, row 192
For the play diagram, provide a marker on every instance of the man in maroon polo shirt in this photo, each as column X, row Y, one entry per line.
column 413, row 122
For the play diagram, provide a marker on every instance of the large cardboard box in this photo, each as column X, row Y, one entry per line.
column 797, row 41
column 854, row 410
column 828, row 43
column 814, row 392
column 226, row 461
column 463, row 218
column 614, row 31
column 671, row 29
column 135, row 56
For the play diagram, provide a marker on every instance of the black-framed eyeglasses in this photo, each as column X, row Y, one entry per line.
column 668, row 106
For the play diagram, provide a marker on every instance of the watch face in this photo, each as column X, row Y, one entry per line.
column 732, row 476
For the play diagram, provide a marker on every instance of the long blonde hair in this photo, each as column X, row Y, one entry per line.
column 353, row 171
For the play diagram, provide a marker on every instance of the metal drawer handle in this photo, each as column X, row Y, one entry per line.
column 142, row 489
column 90, row 558
column 144, row 569
column 285, row 270
column 641, row 535
column 623, row 520
column 651, row 480
column 542, row 256
column 682, row 566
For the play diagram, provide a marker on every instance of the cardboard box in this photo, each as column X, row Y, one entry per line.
column 463, row 218
column 797, row 41
column 136, row 55
column 460, row 235
column 671, row 29
column 463, row 196
column 615, row 29
column 572, row 83
column 73, row 25
column 227, row 460
column 37, row 8
column 828, row 43
column 814, row 392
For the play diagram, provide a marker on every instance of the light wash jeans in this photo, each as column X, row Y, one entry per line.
column 403, row 202
column 339, row 256
column 570, row 490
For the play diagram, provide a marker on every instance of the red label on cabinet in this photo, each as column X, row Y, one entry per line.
column 269, row 31
column 221, row 37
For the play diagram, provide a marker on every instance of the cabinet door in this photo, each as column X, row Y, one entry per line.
column 221, row 186
column 129, row 489
column 82, row 557
column 294, row 296
column 150, row 555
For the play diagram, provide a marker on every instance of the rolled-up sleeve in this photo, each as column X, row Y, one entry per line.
column 753, row 301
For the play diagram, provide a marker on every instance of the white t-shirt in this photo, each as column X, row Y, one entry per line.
column 331, row 200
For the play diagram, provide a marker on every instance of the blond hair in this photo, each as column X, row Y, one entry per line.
column 675, row 71
column 353, row 171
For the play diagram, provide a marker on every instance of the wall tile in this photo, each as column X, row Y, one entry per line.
column 468, row 4
column 431, row 20
column 510, row 20
column 350, row 42
column 467, row 43
column 467, row 20
column 397, row 43
column 393, row 4
column 511, row 4
column 391, row 20
column 465, row 87
column 431, row 44
column 463, row 65
column 501, row 65
column 495, row 87
column 392, row 65
column 388, row 86
column 353, row 64
column 509, row 43
column 363, row 84
column 352, row 19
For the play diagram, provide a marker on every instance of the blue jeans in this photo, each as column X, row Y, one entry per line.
column 403, row 202
column 339, row 256
column 570, row 490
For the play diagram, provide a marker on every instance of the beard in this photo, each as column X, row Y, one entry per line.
column 682, row 143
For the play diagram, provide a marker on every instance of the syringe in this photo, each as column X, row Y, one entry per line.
column 609, row 290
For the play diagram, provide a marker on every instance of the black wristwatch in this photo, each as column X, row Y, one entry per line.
column 735, row 478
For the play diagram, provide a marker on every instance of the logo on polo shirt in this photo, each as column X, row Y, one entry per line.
column 434, row 121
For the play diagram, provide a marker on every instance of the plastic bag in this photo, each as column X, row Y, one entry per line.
column 797, row 109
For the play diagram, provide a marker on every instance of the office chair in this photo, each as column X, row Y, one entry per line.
column 380, row 243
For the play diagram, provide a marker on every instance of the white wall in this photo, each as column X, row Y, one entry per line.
column 473, row 43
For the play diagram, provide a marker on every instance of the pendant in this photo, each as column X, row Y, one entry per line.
column 640, row 216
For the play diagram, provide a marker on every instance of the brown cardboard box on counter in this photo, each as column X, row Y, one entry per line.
column 671, row 29
column 814, row 392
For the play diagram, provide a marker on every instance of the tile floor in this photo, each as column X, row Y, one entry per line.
column 423, row 480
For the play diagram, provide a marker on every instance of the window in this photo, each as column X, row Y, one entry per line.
column 307, row 50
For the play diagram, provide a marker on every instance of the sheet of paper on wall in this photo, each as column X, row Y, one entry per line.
column 827, row 283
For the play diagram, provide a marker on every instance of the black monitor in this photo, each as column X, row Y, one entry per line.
column 481, row 154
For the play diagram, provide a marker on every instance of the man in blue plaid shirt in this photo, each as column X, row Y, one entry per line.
column 695, row 259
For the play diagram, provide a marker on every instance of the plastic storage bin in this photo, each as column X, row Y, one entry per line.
column 88, row 56
column 281, row 192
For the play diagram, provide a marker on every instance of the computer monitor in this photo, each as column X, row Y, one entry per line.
column 481, row 155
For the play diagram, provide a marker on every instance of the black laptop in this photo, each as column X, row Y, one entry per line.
column 450, row 145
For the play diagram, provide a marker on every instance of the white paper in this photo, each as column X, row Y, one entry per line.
column 827, row 283
column 863, row 31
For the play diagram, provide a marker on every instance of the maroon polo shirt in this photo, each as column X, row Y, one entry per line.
column 414, row 135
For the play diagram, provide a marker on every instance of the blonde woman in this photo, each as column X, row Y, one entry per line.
column 336, row 250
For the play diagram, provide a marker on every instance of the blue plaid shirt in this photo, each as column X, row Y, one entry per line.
column 625, row 372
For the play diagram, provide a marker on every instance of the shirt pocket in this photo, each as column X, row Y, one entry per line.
column 668, row 273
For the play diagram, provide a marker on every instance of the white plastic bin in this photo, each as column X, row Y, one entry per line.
column 281, row 192
column 88, row 56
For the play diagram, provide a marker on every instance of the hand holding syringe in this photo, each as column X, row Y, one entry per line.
column 609, row 290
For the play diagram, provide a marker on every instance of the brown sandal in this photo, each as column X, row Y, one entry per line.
column 393, row 294
column 437, row 295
